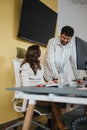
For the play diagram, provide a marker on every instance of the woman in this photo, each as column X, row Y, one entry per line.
column 31, row 70
column 32, row 74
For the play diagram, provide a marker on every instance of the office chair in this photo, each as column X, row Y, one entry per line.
column 20, row 105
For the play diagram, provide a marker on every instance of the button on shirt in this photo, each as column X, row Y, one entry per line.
column 57, row 56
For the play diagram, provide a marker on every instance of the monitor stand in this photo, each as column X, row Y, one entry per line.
column 85, row 81
column 85, row 78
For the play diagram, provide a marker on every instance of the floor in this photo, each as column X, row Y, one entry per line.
column 67, row 118
column 42, row 120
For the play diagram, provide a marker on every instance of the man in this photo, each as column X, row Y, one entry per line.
column 59, row 51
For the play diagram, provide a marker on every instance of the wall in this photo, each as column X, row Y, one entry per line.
column 9, row 21
column 75, row 16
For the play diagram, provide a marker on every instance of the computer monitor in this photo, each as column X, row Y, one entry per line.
column 81, row 53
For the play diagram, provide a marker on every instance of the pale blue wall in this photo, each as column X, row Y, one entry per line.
column 74, row 15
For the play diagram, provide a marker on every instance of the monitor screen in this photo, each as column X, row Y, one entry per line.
column 37, row 22
column 81, row 53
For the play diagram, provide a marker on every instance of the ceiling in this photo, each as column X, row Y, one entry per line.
column 79, row 1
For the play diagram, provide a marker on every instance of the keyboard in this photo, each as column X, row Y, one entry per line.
column 54, row 85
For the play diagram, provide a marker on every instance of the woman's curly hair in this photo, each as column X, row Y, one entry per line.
column 32, row 55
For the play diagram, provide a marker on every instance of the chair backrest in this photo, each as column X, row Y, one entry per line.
column 16, row 64
column 17, row 96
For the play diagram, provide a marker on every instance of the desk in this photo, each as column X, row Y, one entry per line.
column 63, row 95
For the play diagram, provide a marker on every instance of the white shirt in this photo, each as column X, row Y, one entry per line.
column 57, row 56
column 28, row 77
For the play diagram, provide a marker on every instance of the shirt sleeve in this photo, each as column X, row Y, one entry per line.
column 42, row 78
column 73, row 61
column 24, row 75
column 51, row 58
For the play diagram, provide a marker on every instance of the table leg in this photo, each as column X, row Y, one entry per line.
column 56, row 116
column 28, row 117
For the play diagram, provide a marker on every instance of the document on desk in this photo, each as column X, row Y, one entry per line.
column 55, row 85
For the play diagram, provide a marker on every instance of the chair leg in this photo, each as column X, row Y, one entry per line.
column 15, row 126
column 40, row 125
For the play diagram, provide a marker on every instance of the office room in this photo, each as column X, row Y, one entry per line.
column 69, row 13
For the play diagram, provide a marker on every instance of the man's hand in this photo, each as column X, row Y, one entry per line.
column 55, row 80
column 79, row 81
